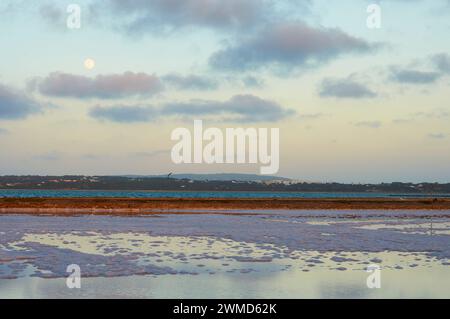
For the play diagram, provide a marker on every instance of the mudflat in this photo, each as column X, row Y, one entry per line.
column 129, row 206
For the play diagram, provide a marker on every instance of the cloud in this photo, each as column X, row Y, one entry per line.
column 124, row 114
column 240, row 108
column 53, row 15
column 437, row 136
column 440, row 67
column 442, row 62
column 312, row 116
column 434, row 114
column 289, row 45
column 369, row 124
column 160, row 15
column 13, row 6
column 190, row 82
column 60, row 84
column 344, row 88
column 16, row 105
column 3, row 131
column 253, row 82
column 413, row 76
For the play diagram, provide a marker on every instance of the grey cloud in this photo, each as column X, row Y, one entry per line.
column 60, row 84
column 190, row 82
column 243, row 81
column 244, row 108
column 311, row 116
column 413, row 76
column 441, row 62
column 16, row 105
column 439, row 65
column 437, row 136
column 290, row 46
column 240, row 108
column 434, row 114
column 53, row 15
column 253, row 82
column 112, row 86
column 160, row 15
column 13, row 6
column 344, row 88
column 124, row 114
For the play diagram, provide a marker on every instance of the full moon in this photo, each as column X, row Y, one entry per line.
column 89, row 64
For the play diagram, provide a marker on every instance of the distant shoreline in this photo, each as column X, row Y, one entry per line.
column 137, row 206
column 121, row 183
column 421, row 194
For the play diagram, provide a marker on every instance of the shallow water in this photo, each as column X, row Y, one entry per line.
column 273, row 254
column 33, row 193
column 408, row 283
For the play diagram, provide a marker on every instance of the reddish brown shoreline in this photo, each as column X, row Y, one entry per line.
column 137, row 205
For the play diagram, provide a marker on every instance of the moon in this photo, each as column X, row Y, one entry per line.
column 89, row 64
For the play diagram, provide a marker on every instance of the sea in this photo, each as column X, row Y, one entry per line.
column 8, row 193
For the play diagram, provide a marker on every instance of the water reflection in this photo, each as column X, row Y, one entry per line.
column 268, row 255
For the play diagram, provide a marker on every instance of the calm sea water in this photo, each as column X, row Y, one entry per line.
column 202, row 194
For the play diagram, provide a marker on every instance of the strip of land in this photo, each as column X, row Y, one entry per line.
column 130, row 206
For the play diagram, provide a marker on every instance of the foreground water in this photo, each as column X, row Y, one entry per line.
column 31, row 193
column 270, row 254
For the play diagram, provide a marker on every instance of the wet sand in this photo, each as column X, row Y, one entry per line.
column 131, row 206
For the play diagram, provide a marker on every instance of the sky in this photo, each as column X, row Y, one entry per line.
column 353, row 103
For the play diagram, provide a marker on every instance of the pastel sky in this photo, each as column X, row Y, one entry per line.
column 353, row 104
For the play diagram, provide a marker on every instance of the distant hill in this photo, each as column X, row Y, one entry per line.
column 219, row 177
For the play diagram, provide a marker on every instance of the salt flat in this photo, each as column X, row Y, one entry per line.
column 269, row 253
